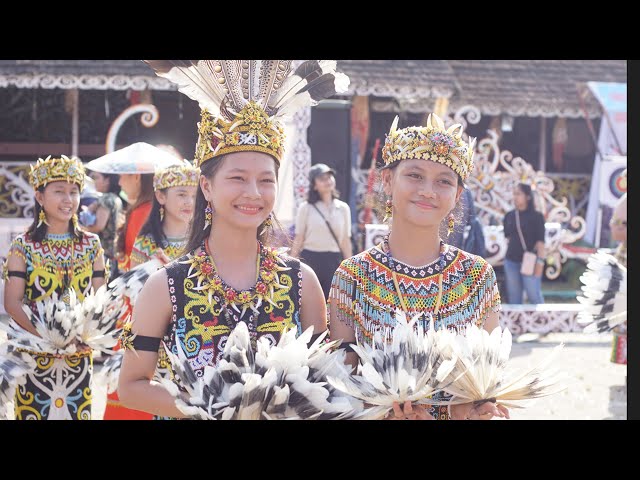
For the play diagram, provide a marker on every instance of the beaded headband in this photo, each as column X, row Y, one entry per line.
column 184, row 175
column 56, row 169
column 432, row 142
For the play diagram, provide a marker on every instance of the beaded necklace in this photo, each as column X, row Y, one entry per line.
column 268, row 264
column 391, row 261
column 67, row 273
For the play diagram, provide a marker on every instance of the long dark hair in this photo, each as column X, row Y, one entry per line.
column 38, row 234
column 526, row 189
column 313, row 196
column 197, row 232
column 153, row 225
column 146, row 195
column 113, row 179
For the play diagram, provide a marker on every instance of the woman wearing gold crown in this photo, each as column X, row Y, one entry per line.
column 229, row 274
column 164, row 234
column 53, row 256
column 413, row 268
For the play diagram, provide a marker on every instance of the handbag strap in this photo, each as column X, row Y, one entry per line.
column 329, row 227
column 524, row 245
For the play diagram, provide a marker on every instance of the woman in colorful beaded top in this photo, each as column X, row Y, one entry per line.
column 413, row 268
column 229, row 274
column 53, row 256
column 164, row 235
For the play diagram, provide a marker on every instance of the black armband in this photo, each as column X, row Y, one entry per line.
column 17, row 273
column 348, row 346
column 97, row 274
column 133, row 342
column 146, row 344
column 315, row 337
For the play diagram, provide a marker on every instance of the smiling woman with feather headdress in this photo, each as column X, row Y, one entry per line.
column 413, row 269
column 230, row 275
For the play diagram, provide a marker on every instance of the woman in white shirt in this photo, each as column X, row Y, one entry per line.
column 323, row 226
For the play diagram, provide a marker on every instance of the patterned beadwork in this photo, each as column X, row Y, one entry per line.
column 203, row 327
column 365, row 297
column 144, row 248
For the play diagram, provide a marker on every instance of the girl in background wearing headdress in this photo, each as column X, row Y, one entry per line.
column 164, row 235
column 413, row 268
column 53, row 256
column 230, row 273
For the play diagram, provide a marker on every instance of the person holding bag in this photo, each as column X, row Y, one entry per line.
column 524, row 262
column 323, row 226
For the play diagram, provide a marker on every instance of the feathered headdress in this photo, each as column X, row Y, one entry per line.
column 433, row 142
column 244, row 101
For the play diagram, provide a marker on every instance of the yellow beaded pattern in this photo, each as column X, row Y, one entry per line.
column 432, row 142
column 183, row 175
column 250, row 130
column 56, row 169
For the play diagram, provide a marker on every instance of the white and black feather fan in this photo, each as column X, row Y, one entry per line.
column 283, row 381
column 130, row 283
column 410, row 367
column 62, row 324
column 14, row 367
column 604, row 294
column 482, row 373
column 224, row 87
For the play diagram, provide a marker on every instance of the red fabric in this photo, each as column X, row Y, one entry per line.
column 136, row 220
column 114, row 409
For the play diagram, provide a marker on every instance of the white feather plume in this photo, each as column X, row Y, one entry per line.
column 130, row 283
column 481, row 372
column 410, row 367
column 282, row 381
column 14, row 367
column 604, row 294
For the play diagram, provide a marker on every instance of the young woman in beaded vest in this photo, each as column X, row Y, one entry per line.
column 53, row 256
column 413, row 268
column 229, row 274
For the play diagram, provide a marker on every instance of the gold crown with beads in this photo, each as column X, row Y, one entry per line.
column 431, row 142
column 250, row 130
column 184, row 174
column 57, row 169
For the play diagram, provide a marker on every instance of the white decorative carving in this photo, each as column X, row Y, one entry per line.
column 87, row 82
column 301, row 155
column 150, row 116
column 426, row 103
column 493, row 195
column 542, row 318
column 19, row 186
column 362, row 87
